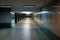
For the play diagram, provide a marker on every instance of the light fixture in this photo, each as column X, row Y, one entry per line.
column 43, row 12
column 29, row 5
column 26, row 12
column 12, row 12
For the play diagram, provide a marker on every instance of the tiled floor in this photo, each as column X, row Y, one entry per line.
column 26, row 29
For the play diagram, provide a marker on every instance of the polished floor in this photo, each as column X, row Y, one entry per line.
column 27, row 29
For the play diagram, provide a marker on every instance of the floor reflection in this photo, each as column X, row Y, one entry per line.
column 28, row 29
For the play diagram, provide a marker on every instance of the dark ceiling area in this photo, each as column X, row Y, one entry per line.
column 28, row 5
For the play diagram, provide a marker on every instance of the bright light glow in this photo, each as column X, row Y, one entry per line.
column 43, row 12
column 26, row 12
column 12, row 12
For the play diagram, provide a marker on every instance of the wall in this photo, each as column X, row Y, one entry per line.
column 56, row 23
column 53, row 22
column 5, row 18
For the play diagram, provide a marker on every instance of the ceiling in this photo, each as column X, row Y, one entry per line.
column 18, row 5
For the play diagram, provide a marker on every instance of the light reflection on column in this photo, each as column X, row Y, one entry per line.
column 12, row 19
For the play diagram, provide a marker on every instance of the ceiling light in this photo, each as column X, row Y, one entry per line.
column 26, row 12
